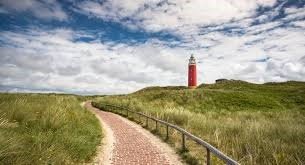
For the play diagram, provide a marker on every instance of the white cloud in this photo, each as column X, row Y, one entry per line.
column 52, row 60
column 44, row 60
column 294, row 13
column 178, row 15
column 45, row 9
column 299, row 24
column 228, row 46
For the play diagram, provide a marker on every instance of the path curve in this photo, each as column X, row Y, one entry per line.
column 131, row 144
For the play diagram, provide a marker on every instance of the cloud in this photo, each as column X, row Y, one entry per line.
column 177, row 16
column 45, row 9
column 23, row 59
column 124, row 69
column 160, row 57
column 230, row 39
column 69, row 70
column 294, row 13
column 299, row 24
column 54, row 60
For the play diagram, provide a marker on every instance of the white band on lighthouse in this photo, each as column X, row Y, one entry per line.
column 192, row 60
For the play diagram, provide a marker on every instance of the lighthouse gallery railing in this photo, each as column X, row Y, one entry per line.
column 184, row 133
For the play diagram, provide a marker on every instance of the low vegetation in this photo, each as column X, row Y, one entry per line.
column 46, row 129
column 252, row 123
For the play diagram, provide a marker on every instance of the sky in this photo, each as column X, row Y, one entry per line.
column 120, row 46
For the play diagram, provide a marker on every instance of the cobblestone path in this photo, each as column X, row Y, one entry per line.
column 133, row 145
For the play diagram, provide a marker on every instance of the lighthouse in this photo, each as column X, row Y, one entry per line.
column 192, row 73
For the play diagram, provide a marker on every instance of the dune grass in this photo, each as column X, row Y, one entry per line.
column 46, row 129
column 253, row 124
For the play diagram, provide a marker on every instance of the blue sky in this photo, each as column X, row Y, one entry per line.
column 111, row 47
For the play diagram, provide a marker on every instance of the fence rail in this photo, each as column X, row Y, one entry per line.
column 209, row 148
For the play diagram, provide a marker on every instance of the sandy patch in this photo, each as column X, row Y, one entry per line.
column 105, row 150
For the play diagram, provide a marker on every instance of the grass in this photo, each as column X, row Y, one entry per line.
column 252, row 123
column 46, row 129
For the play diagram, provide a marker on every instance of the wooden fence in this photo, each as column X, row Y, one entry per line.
column 209, row 148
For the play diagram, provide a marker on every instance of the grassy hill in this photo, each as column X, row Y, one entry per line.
column 46, row 129
column 253, row 123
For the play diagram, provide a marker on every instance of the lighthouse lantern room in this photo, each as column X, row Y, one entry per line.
column 192, row 73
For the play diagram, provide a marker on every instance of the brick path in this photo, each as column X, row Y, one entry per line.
column 132, row 146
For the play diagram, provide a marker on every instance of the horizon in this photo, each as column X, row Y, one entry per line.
column 88, row 94
column 107, row 47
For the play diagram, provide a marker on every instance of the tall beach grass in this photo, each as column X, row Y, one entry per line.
column 46, row 129
column 253, row 124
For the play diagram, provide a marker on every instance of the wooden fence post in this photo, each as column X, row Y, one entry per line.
column 166, row 132
column 183, row 142
column 208, row 157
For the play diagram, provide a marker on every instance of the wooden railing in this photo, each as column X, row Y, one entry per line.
column 209, row 148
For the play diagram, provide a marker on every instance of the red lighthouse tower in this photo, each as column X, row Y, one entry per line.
column 192, row 73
